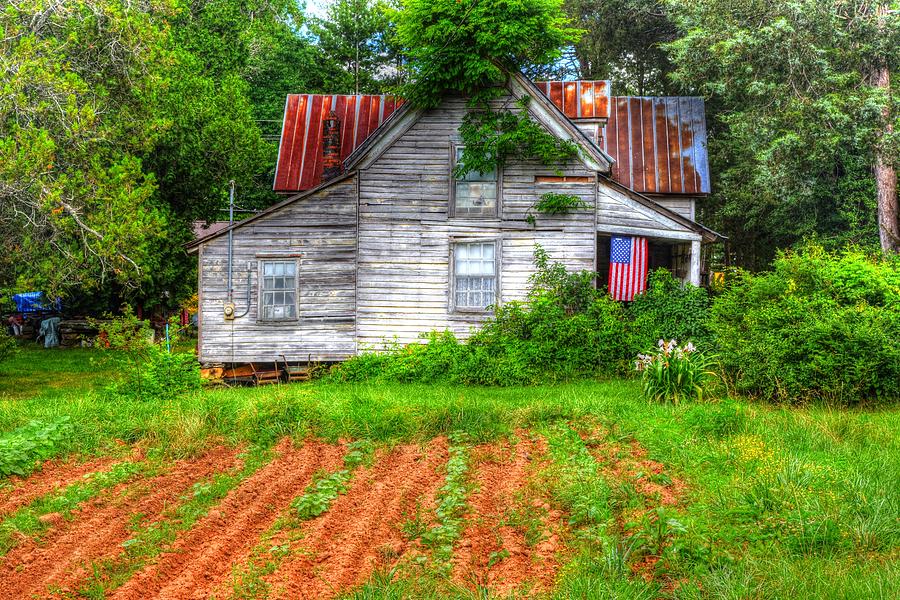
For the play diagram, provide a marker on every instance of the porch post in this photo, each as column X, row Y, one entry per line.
column 694, row 274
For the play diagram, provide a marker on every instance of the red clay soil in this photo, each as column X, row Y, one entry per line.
column 500, row 476
column 53, row 475
column 362, row 530
column 204, row 557
column 99, row 528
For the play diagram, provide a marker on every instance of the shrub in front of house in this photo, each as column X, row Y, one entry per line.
column 819, row 326
column 668, row 310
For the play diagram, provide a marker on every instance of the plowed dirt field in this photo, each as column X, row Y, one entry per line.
column 362, row 529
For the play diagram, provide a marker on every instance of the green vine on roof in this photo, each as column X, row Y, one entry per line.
column 469, row 47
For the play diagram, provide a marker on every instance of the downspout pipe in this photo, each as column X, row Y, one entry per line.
column 230, row 236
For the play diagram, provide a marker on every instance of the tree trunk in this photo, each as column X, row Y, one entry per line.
column 885, row 173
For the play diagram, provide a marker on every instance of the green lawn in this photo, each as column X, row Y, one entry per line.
column 776, row 502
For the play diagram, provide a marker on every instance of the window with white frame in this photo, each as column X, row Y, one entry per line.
column 474, row 195
column 474, row 275
column 278, row 290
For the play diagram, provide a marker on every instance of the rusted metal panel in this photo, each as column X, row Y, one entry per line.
column 578, row 99
column 300, row 159
column 659, row 144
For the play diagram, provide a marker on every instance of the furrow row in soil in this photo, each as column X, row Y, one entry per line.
column 52, row 476
column 99, row 528
column 362, row 531
column 202, row 559
column 491, row 552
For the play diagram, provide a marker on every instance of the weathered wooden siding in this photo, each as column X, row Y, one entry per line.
column 684, row 206
column 320, row 231
column 405, row 232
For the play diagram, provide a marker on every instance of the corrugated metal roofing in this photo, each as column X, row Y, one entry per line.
column 300, row 165
column 659, row 143
column 578, row 99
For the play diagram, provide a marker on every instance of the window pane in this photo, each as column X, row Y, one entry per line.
column 474, row 274
column 476, row 198
column 278, row 298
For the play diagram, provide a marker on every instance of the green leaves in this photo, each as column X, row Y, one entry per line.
column 21, row 449
column 794, row 118
column 459, row 45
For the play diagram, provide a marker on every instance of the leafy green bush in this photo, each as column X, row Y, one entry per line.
column 821, row 325
column 21, row 449
column 673, row 373
column 669, row 310
column 151, row 371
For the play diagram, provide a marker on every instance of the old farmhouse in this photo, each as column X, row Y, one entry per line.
column 377, row 242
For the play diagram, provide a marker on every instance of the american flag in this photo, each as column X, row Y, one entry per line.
column 627, row 267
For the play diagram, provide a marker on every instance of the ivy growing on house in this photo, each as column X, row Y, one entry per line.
column 491, row 136
column 553, row 203
column 469, row 47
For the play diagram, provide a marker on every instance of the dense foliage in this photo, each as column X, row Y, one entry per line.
column 470, row 48
column 819, row 326
column 121, row 122
column 795, row 116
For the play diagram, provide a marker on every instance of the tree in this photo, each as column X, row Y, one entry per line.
column 463, row 45
column 355, row 34
column 121, row 122
column 623, row 42
column 797, row 122
column 72, row 130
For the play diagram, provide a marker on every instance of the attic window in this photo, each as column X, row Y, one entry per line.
column 474, row 195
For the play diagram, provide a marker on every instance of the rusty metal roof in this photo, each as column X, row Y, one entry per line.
column 299, row 165
column 578, row 99
column 659, row 144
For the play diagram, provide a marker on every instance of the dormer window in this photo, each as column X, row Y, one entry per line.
column 474, row 195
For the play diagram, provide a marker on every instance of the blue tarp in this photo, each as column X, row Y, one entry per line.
column 32, row 302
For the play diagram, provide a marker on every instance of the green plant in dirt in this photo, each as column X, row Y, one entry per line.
column 22, row 448
column 326, row 487
column 151, row 538
column 27, row 522
column 441, row 537
column 152, row 371
column 674, row 373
